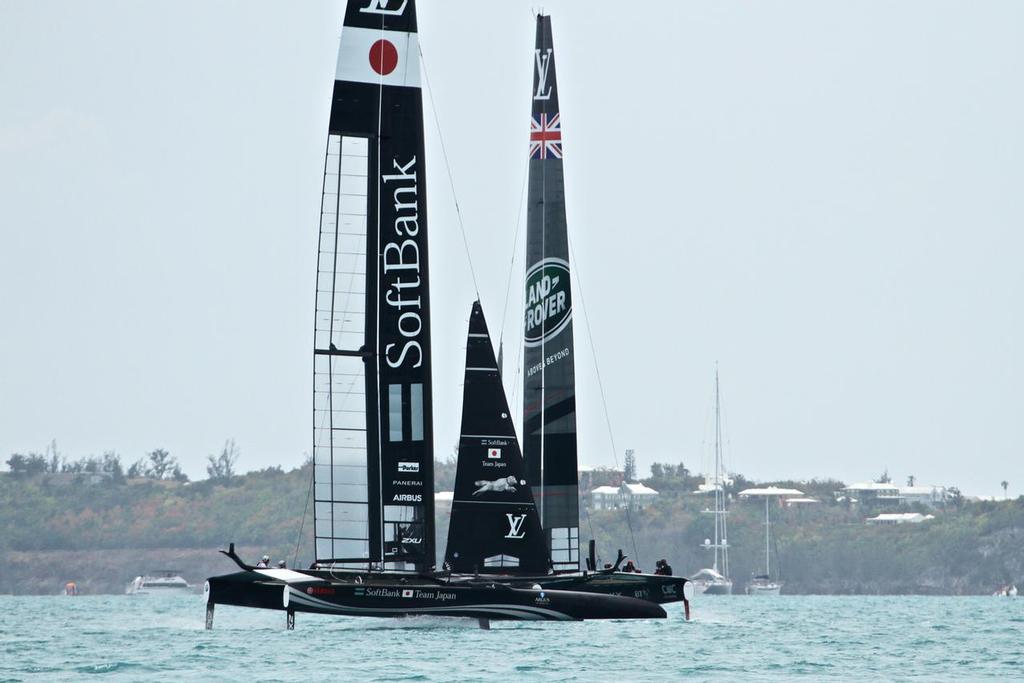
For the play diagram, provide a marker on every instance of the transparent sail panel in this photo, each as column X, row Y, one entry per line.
column 340, row 479
column 565, row 548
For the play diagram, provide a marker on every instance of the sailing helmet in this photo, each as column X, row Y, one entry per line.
column 266, row 558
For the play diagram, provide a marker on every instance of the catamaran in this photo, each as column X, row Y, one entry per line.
column 373, row 454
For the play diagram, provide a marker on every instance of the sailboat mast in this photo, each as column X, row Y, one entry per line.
column 767, row 536
column 373, row 502
column 718, row 469
column 549, row 378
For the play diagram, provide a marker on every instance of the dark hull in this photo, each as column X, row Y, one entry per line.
column 651, row 587
column 393, row 595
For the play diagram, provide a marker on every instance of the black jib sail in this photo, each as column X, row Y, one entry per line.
column 373, row 433
column 549, row 395
column 494, row 524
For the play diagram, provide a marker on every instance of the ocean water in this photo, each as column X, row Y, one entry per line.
column 161, row 638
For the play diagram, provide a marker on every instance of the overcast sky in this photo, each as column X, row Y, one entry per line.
column 824, row 198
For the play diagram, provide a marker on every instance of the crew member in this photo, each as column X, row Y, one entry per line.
column 263, row 563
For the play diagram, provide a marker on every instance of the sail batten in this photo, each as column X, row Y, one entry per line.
column 549, row 392
column 373, row 429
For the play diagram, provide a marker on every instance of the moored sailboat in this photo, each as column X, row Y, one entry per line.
column 373, row 428
column 764, row 584
column 715, row 580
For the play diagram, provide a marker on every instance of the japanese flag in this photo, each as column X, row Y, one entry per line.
column 494, row 453
column 380, row 57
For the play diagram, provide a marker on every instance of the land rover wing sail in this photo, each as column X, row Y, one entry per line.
column 494, row 524
column 373, row 435
column 549, row 393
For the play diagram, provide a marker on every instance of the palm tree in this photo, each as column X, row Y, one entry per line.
column 1005, row 484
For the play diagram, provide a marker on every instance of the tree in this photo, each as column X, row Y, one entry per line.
column 161, row 464
column 222, row 467
column 910, row 480
column 1005, row 484
column 955, row 497
column 629, row 468
column 27, row 465
column 56, row 462
column 112, row 466
column 137, row 470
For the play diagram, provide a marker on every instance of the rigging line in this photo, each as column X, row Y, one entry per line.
column 302, row 522
column 448, row 168
column 515, row 248
column 600, row 385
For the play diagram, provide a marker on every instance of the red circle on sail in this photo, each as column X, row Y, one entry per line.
column 383, row 57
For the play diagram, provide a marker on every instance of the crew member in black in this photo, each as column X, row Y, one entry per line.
column 663, row 568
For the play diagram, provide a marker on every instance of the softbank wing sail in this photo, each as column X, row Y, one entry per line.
column 549, row 395
column 373, row 455
column 494, row 525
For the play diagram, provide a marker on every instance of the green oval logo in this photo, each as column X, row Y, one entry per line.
column 548, row 301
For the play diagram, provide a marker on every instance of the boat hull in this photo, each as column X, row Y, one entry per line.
column 651, row 587
column 712, row 587
column 764, row 590
column 399, row 596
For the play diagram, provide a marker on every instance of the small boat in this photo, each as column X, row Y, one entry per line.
column 762, row 584
column 710, row 582
column 1008, row 591
column 71, row 588
column 164, row 581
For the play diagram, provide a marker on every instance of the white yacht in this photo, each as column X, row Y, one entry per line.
column 163, row 581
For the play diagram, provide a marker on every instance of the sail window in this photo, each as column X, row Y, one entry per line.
column 416, row 391
column 395, row 412
column 565, row 547
column 501, row 561
column 340, row 477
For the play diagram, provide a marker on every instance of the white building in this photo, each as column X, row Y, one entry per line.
column 636, row 496
column 932, row 496
column 870, row 491
column 899, row 518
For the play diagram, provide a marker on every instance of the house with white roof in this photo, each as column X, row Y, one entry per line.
column 635, row 496
column 932, row 496
column 899, row 518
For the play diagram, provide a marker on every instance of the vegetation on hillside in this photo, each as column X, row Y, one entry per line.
column 48, row 505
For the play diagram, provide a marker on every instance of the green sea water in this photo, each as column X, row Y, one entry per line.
column 161, row 638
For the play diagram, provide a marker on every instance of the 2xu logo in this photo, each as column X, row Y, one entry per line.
column 548, row 300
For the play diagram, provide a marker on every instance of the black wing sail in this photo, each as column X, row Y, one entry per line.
column 373, row 430
column 494, row 526
column 549, row 394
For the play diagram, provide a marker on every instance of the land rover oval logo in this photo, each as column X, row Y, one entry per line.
column 548, row 300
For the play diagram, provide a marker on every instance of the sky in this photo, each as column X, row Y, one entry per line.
column 822, row 198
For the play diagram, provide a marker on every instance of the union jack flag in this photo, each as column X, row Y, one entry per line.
column 546, row 137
